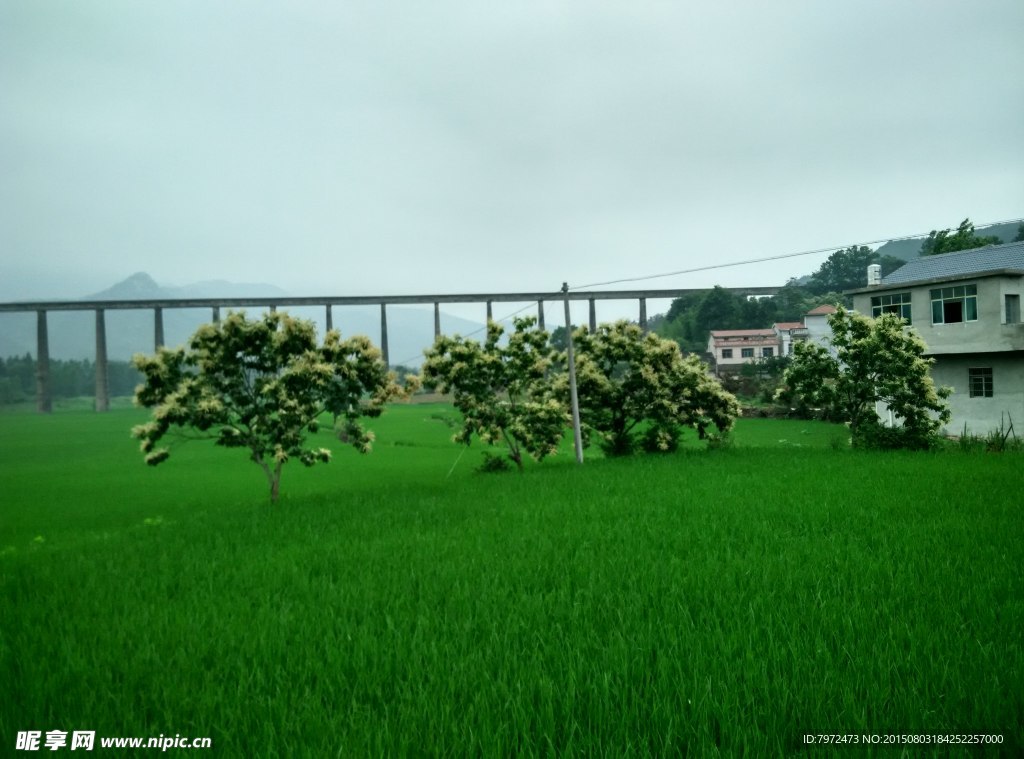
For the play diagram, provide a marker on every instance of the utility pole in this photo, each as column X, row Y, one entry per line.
column 573, row 396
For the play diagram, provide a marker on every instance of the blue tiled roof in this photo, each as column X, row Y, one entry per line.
column 960, row 265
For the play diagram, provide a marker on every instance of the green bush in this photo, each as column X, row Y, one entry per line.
column 879, row 437
column 493, row 464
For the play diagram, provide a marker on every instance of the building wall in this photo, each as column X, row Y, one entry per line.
column 737, row 360
column 786, row 338
column 982, row 415
column 819, row 331
column 989, row 333
column 989, row 342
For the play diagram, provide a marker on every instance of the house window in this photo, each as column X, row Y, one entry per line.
column 979, row 382
column 726, row 352
column 897, row 303
column 951, row 305
column 767, row 352
column 746, row 352
column 1013, row 309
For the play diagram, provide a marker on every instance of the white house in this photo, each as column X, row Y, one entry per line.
column 732, row 348
column 966, row 307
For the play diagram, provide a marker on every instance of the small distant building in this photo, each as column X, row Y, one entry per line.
column 732, row 348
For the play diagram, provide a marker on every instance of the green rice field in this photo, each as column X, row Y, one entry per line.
column 710, row 602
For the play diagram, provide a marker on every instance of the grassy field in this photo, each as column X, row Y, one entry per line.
column 719, row 601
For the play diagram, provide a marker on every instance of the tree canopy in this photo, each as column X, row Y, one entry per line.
column 963, row 239
column 691, row 317
column 262, row 384
column 846, row 269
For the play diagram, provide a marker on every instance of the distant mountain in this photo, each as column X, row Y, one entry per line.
column 909, row 249
column 72, row 334
column 141, row 286
column 219, row 288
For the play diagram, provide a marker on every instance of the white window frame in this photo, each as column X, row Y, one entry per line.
column 966, row 294
column 980, row 382
column 894, row 303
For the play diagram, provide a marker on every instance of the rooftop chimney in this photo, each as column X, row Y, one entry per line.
column 874, row 275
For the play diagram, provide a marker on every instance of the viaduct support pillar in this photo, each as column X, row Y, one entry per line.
column 43, row 402
column 158, row 328
column 384, row 333
column 437, row 320
column 102, row 385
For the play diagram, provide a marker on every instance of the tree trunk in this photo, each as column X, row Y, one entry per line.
column 275, row 483
column 273, row 477
column 513, row 450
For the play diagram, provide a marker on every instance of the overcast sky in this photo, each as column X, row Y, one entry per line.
column 428, row 147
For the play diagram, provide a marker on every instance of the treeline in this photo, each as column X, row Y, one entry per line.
column 692, row 317
column 68, row 379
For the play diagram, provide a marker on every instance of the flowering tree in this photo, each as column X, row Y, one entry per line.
column 262, row 384
column 875, row 361
column 628, row 380
column 503, row 391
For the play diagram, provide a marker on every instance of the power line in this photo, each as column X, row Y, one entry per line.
column 775, row 258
